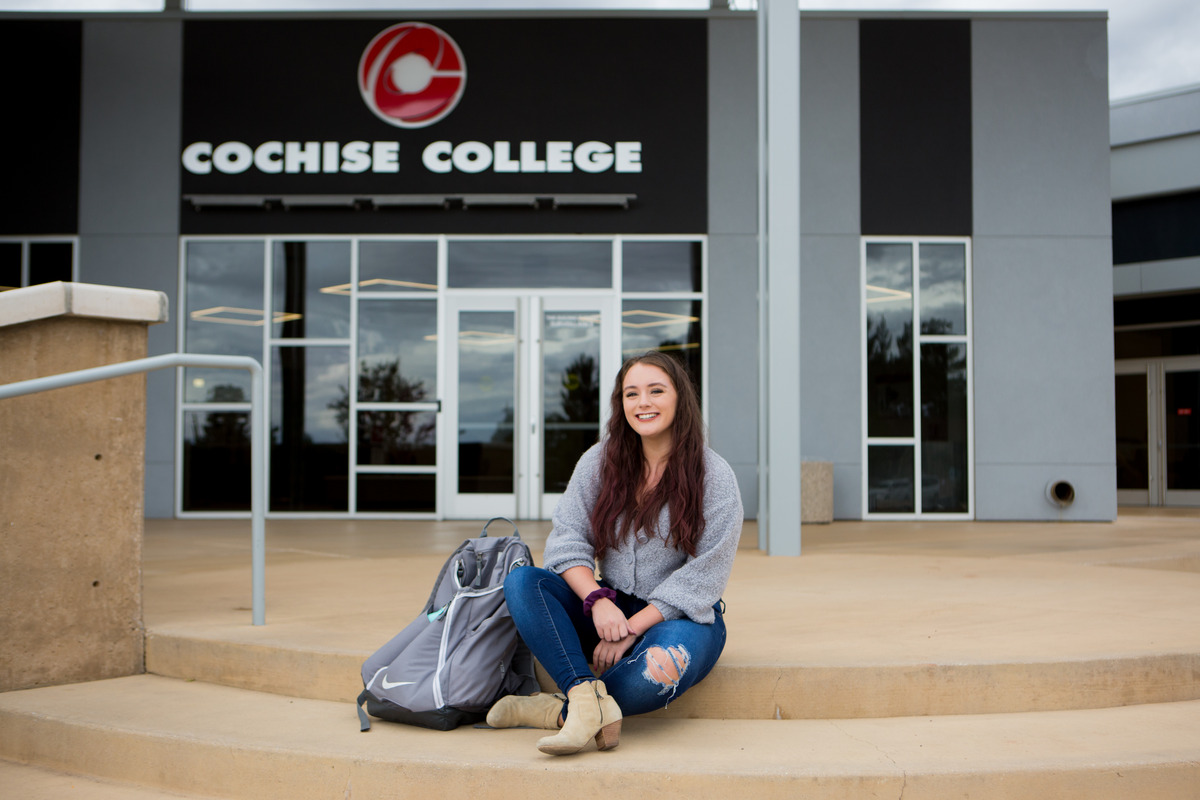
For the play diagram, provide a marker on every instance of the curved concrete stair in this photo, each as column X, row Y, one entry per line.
column 742, row 691
column 826, row 636
column 207, row 740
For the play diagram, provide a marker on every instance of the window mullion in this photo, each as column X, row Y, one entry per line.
column 917, row 415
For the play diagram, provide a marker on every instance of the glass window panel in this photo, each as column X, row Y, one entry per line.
column 1181, row 394
column 943, row 289
column 397, row 438
column 224, row 315
column 570, row 392
column 10, row 265
column 660, row 267
column 944, row 479
column 889, row 340
column 310, row 408
column 397, row 351
column 890, row 480
column 49, row 262
column 487, row 347
column 397, row 266
column 216, row 461
column 310, row 290
column 403, row 493
column 1133, row 433
column 506, row 264
column 672, row 326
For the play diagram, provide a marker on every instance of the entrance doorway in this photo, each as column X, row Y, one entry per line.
column 525, row 395
column 1158, row 431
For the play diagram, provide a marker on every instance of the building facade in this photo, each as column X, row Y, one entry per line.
column 1156, row 288
column 441, row 236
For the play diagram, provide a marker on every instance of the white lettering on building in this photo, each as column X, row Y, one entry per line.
column 231, row 158
column 472, row 156
column 293, row 158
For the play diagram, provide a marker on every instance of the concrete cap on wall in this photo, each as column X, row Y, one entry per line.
column 82, row 300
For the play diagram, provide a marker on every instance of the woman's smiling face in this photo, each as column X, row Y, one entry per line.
column 649, row 400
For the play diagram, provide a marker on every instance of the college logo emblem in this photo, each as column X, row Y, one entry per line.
column 411, row 75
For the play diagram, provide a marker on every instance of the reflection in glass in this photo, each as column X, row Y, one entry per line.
column 397, row 438
column 487, row 348
column 308, row 290
column 397, row 351
column 570, row 392
column 889, row 340
column 309, row 444
column 223, row 286
column 216, row 461
column 507, row 264
column 943, row 289
column 406, row 493
column 10, row 265
column 890, row 479
column 1181, row 395
column 944, row 428
column 660, row 266
column 50, row 261
column 672, row 326
column 1133, row 433
column 397, row 266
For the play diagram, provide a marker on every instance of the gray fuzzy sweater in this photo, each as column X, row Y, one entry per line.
column 676, row 584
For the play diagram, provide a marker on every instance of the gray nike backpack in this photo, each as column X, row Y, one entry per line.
column 462, row 653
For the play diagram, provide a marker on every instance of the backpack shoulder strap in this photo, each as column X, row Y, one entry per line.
column 364, row 722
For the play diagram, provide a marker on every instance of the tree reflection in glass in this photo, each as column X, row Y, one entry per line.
column 889, row 340
column 389, row 437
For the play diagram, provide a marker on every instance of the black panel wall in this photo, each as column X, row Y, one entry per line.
column 528, row 80
column 915, row 99
column 1156, row 228
column 40, row 134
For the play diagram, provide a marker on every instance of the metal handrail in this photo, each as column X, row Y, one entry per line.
column 258, row 430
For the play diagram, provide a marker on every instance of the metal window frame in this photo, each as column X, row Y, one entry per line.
column 966, row 339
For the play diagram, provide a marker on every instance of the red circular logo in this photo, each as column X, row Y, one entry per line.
column 411, row 75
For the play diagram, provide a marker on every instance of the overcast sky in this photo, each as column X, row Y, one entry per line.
column 1153, row 45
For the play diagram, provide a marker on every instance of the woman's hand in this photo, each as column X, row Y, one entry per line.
column 609, row 653
column 610, row 622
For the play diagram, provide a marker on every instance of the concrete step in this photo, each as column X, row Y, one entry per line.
column 37, row 783
column 263, row 659
column 207, row 740
column 826, row 636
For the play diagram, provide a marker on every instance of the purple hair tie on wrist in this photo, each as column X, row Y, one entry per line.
column 591, row 599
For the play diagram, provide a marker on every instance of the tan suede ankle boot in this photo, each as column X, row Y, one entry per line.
column 534, row 711
column 592, row 714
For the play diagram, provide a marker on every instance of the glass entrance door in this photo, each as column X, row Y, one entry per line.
column 526, row 396
column 1158, row 433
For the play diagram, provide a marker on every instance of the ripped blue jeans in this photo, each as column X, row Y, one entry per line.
column 662, row 664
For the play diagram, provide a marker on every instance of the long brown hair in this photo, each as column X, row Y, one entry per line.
column 681, row 487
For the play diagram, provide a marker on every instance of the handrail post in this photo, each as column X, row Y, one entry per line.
column 258, row 437
column 258, row 444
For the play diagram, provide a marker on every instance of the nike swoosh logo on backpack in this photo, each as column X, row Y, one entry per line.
column 386, row 685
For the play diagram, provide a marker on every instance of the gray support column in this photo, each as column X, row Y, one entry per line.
column 129, row 196
column 779, row 284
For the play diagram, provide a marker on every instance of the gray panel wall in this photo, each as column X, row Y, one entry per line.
column 830, row 328
column 733, row 250
column 1042, row 269
column 129, row 197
